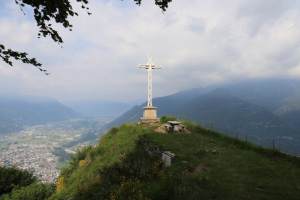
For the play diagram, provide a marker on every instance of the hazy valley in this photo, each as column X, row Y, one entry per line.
column 265, row 113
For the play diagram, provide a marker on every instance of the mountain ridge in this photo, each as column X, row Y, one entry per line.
column 17, row 111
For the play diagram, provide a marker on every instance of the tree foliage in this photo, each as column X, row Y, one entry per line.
column 56, row 10
column 11, row 177
column 163, row 4
column 37, row 191
column 44, row 12
column 7, row 54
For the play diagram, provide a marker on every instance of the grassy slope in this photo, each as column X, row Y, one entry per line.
column 243, row 170
column 237, row 170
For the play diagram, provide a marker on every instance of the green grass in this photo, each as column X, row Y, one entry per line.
column 61, row 165
column 244, row 170
column 116, row 143
column 207, row 165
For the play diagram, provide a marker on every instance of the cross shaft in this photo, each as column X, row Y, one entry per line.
column 150, row 67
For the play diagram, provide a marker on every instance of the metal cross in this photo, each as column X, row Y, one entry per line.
column 150, row 67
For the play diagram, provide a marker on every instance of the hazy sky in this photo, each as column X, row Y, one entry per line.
column 197, row 42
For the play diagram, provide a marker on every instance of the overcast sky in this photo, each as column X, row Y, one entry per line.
column 197, row 42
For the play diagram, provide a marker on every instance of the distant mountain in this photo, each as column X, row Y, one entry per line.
column 167, row 105
column 220, row 108
column 95, row 108
column 290, row 111
column 293, row 117
column 228, row 113
column 279, row 96
column 17, row 111
column 271, row 94
column 243, row 109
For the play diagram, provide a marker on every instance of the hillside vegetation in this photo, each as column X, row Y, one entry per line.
column 16, row 184
column 207, row 165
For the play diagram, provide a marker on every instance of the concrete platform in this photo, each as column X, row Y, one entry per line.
column 149, row 114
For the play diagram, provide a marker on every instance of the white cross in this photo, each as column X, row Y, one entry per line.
column 150, row 67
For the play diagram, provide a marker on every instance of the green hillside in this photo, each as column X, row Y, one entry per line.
column 207, row 165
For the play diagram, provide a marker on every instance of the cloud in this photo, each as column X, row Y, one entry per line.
column 198, row 43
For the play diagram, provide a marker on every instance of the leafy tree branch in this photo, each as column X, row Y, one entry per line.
column 58, row 10
column 163, row 4
column 6, row 55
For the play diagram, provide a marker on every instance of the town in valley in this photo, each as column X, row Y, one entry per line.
column 45, row 149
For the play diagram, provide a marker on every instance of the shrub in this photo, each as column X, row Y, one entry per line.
column 74, row 163
column 60, row 184
column 11, row 177
column 35, row 191
column 165, row 119
column 96, row 152
column 82, row 163
column 113, row 131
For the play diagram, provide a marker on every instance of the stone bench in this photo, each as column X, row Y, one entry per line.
column 182, row 127
column 168, row 127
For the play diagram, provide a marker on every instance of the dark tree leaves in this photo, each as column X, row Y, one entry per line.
column 44, row 11
column 12, row 177
column 163, row 4
column 57, row 10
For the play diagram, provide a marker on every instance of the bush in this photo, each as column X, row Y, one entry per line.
column 165, row 119
column 74, row 163
column 113, row 131
column 11, row 177
column 36, row 191
column 60, row 184
column 96, row 152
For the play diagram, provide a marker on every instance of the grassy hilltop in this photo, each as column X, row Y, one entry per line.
column 207, row 165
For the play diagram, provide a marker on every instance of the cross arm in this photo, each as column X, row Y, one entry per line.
column 157, row 67
column 142, row 66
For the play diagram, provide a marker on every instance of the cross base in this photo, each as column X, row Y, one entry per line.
column 149, row 114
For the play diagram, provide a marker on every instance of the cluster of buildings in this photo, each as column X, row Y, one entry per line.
column 32, row 149
column 37, row 159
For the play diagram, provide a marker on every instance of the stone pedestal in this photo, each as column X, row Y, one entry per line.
column 149, row 114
